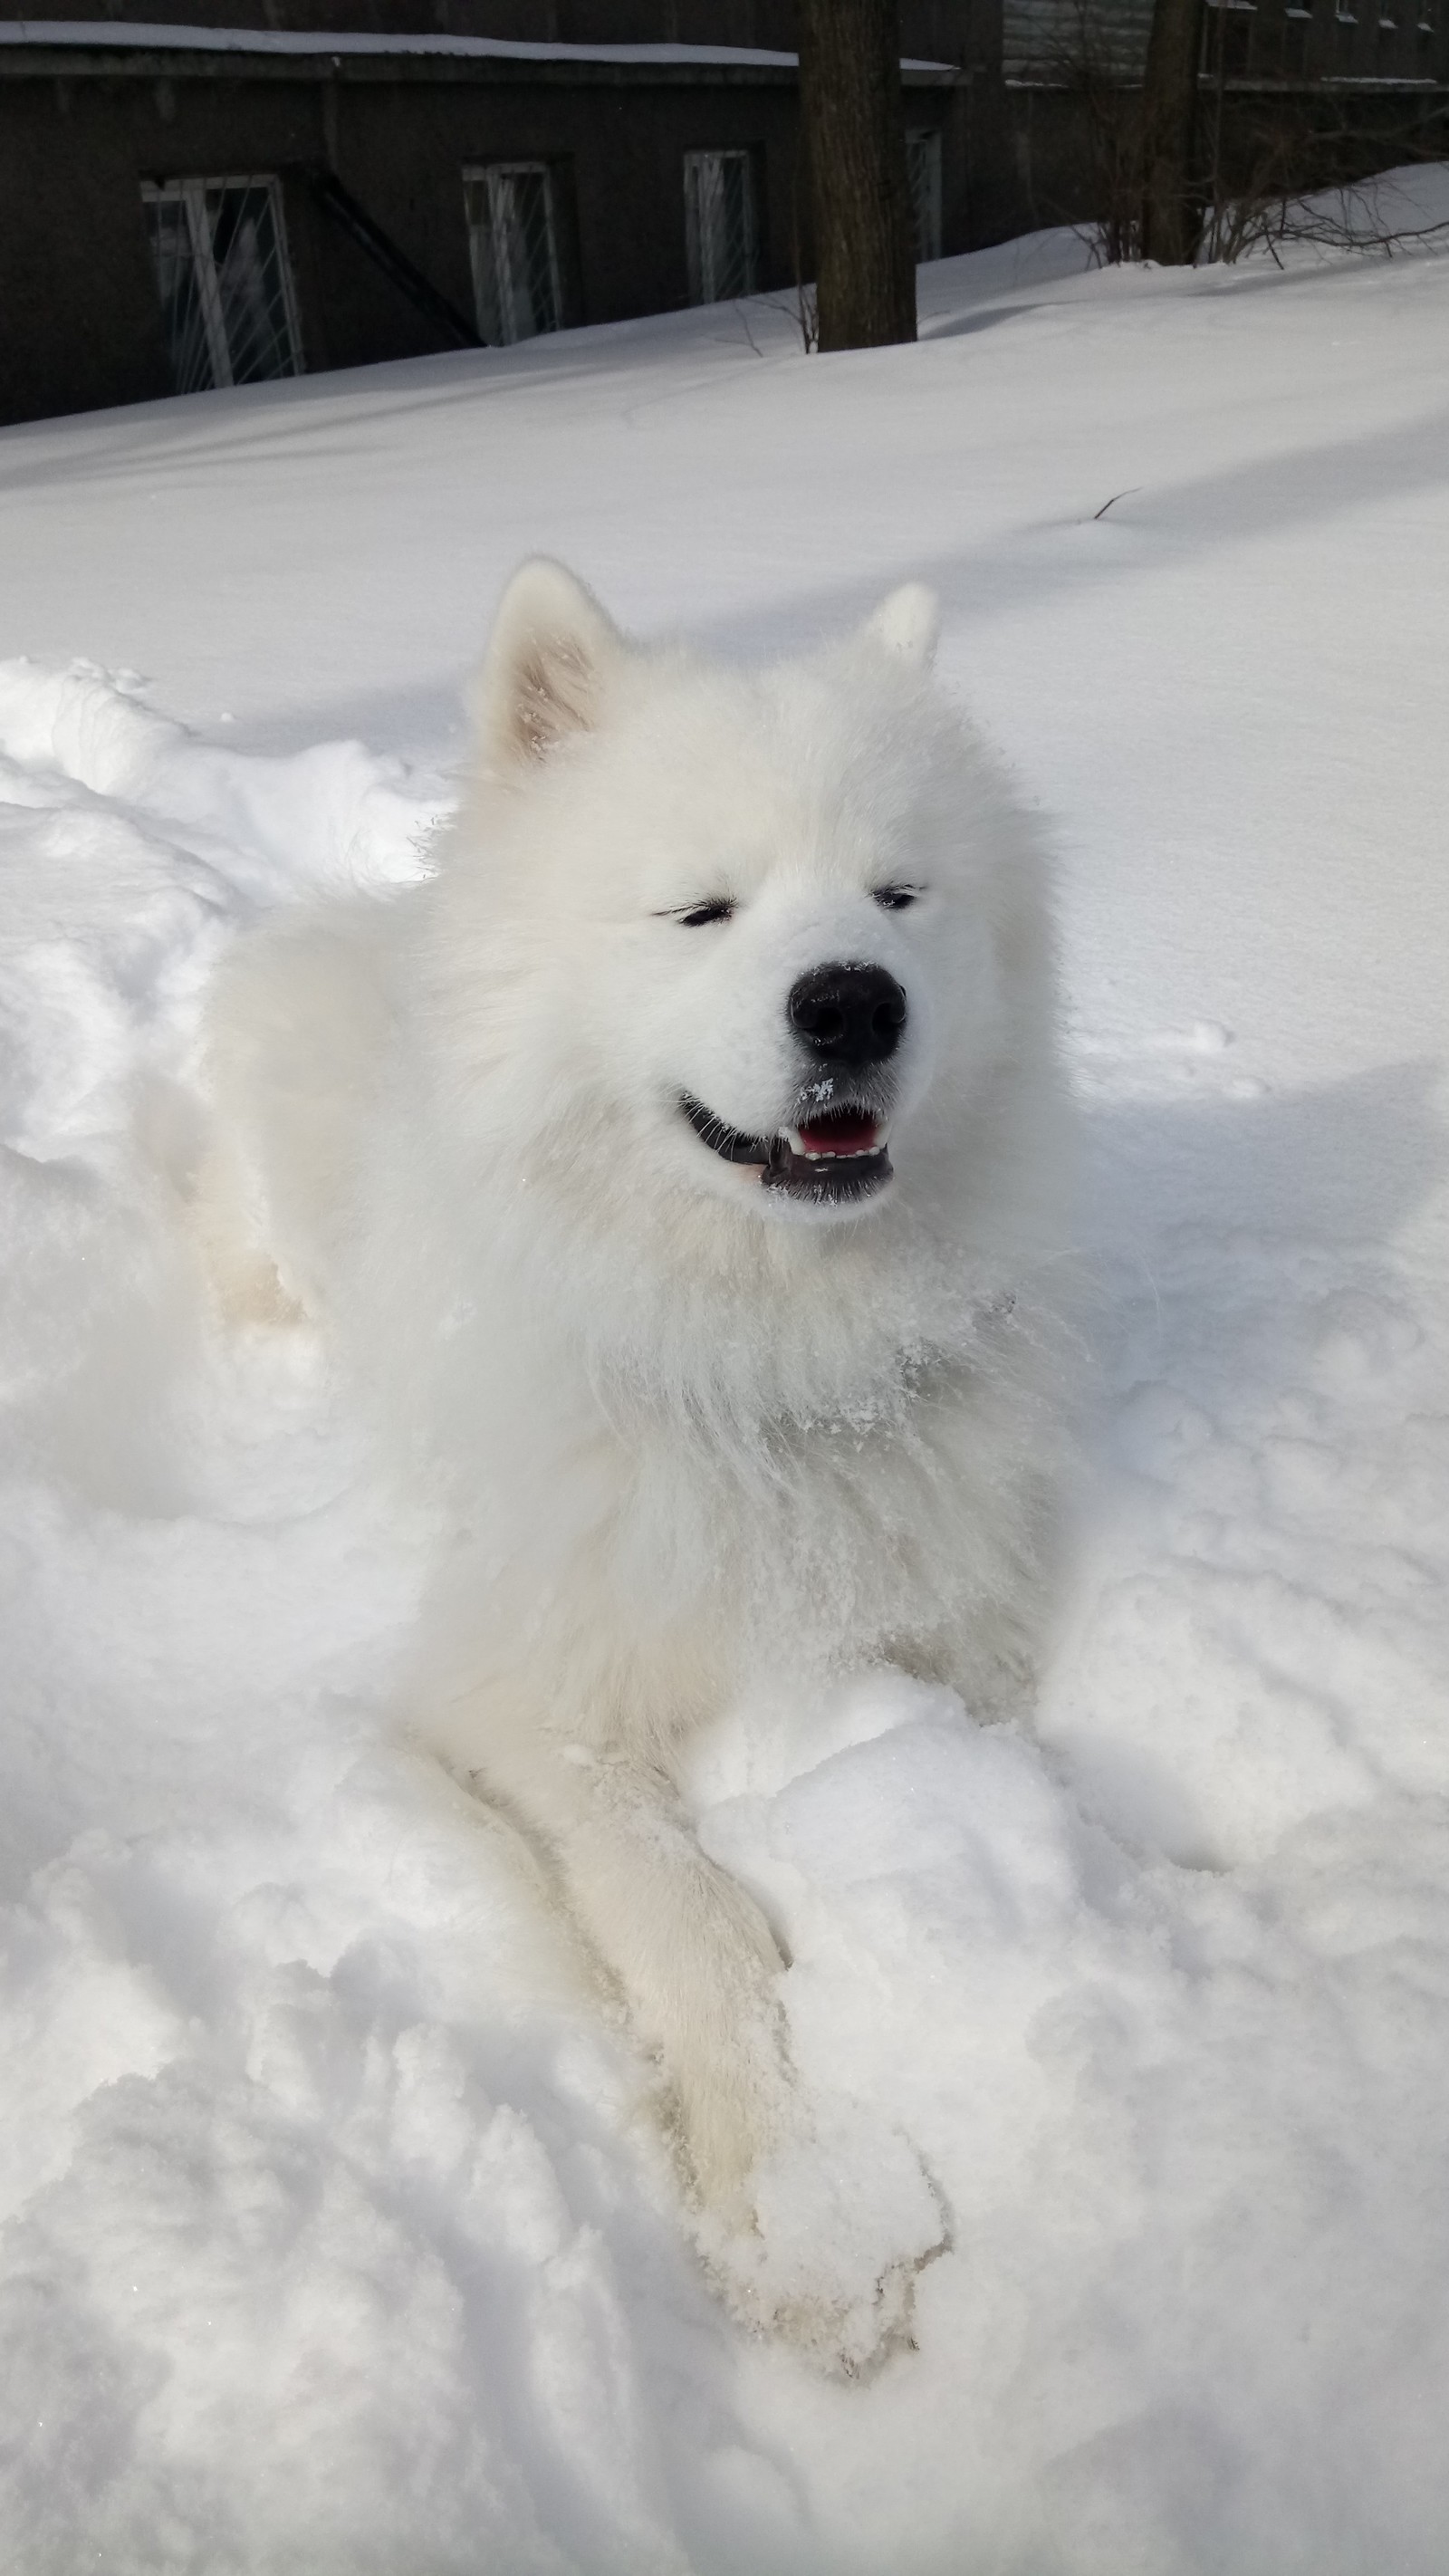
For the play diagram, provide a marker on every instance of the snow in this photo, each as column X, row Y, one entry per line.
column 158, row 35
column 336, row 2235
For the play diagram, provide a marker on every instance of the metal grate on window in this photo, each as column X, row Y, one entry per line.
column 220, row 256
column 719, row 225
column 514, row 250
column 923, row 170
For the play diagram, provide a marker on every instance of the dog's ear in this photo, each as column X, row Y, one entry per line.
column 907, row 624
column 545, row 670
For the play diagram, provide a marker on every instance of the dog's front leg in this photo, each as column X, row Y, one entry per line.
column 699, row 1965
column 696, row 1959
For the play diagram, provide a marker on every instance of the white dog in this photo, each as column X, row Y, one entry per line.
column 681, row 1162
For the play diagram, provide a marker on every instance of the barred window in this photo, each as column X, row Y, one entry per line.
column 721, row 235
column 219, row 251
column 1235, row 37
column 513, row 242
column 1296, row 25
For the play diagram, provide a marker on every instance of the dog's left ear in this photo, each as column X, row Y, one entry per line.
column 546, row 668
column 907, row 624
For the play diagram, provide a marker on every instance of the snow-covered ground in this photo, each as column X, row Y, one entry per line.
column 335, row 2240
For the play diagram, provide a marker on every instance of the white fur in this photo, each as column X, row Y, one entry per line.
column 688, row 1430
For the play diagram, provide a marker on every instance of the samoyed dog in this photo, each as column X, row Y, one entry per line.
column 680, row 1169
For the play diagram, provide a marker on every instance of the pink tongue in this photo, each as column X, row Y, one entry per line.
column 842, row 1136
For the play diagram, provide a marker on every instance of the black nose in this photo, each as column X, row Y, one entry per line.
column 853, row 1014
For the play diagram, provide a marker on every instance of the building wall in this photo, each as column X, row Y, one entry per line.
column 82, row 126
column 1046, row 42
column 81, row 324
column 78, row 135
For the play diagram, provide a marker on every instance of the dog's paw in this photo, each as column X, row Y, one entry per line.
column 844, row 2219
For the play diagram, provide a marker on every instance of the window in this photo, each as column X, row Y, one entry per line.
column 220, row 256
column 1296, row 25
column 1227, row 38
column 514, row 248
column 1235, row 36
column 923, row 169
column 719, row 225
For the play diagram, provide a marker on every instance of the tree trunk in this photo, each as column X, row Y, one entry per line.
column 1172, row 197
column 854, row 134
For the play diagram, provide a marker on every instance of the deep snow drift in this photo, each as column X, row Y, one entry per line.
column 336, row 2238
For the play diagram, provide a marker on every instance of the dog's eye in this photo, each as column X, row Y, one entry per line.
column 895, row 898
column 700, row 915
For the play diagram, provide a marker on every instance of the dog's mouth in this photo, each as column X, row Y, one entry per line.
column 836, row 1155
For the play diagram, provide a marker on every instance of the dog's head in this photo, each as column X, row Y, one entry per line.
column 773, row 925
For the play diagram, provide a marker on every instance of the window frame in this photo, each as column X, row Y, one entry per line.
column 484, row 175
column 190, row 193
column 696, row 162
column 925, row 151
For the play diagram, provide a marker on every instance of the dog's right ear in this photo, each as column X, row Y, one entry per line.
column 907, row 625
column 545, row 670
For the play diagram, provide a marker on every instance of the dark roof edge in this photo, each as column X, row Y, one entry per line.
column 71, row 61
